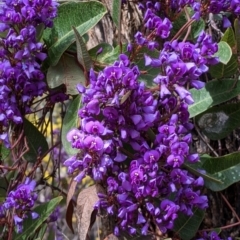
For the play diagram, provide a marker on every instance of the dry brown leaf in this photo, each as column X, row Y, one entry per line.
column 70, row 204
column 85, row 213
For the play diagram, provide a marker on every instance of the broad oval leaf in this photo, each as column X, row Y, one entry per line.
column 221, row 70
column 224, row 52
column 214, row 92
column 66, row 72
column 195, row 169
column 82, row 15
column 229, row 37
column 36, row 142
column 217, row 122
column 225, row 168
column 31, row 226
column 187, row 226
column 70, row 121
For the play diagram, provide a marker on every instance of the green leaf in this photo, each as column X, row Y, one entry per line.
column 217, row 164
column 237, row 32
column 30, row 226
column 218, row 122
column 225, row 168
column 224, row 52
column 5, row 152
column 106, row 50
column 70, row 121
column 82, row 53
column 82, row 15
column 111, row 57
column 37, row 143
column 196, row 27
column 187, row 226
column 194, row 169
column 229, row 37
column 40, row 29
column 73, row 48
column 221, row 70
column 116, row 11
column 66, row 72
column 148, row 72
column 42, row 231
column 214, row 92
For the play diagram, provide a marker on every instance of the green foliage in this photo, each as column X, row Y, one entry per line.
column 187, row 226
column 107, row 49
column 218, row 172
column 68, row 64
column 195, row 169
column 30, row 226
column 37, row 143
column 82, row 53
column 116, row 11
column 224, row 52
column 228, row 65
column 61, row 36
column 225, row 168
column 108, row 57
column 42, row 231
column 221, row 70
column 214, row 92
column 229, row 37
column 67, row 72
column 218, row 122
column 70, row 121
column 5, row 152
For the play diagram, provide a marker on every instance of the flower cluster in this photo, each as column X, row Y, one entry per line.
column 135, row 141
column 21, row 55
column 20, row 202
column 199, row 9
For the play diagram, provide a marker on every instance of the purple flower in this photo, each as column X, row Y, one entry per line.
column 94, row 127
column 21, row 200
column 93, row 143
column 22, row 76
column 151, row 156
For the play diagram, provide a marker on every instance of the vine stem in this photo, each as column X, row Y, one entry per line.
column 182, row 29
column 222, row 228
column 204, row 140
column 41, row 158
column 189, row 27
column 230, row 206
